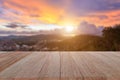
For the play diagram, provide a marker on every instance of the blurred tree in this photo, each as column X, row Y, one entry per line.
column 112, row 35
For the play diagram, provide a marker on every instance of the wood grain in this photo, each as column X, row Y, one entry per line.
column 7, row 59
column 60, row 66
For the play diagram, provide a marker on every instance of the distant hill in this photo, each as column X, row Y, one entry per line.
column 57, row 43
column 79, row 43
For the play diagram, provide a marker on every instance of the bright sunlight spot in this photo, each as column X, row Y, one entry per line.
column 69, row 29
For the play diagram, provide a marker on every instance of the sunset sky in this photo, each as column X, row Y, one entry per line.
column 30, row 16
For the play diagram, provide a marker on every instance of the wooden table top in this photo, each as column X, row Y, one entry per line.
column 59, row 65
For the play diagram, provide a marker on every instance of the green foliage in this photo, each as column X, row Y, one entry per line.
column 81, row 43
column 112, row 36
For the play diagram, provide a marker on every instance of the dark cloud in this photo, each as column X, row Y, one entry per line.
column 56, row 31
column 87, row 28
column 6, row 33
column 15, row 25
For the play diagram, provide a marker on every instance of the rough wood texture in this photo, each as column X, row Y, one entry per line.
column 7, row 59
column 60, row 66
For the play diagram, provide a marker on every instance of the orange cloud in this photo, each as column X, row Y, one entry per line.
column 34, row 10
column 58, row 12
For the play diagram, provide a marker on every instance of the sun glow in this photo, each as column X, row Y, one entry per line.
column 69, row 29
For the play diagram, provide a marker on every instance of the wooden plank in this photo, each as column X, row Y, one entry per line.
column 107, row 66
column 69, row 69
column 51, row 68
column 28, row 67
column 7, row 59
column 61, row 66
column 88, row 70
